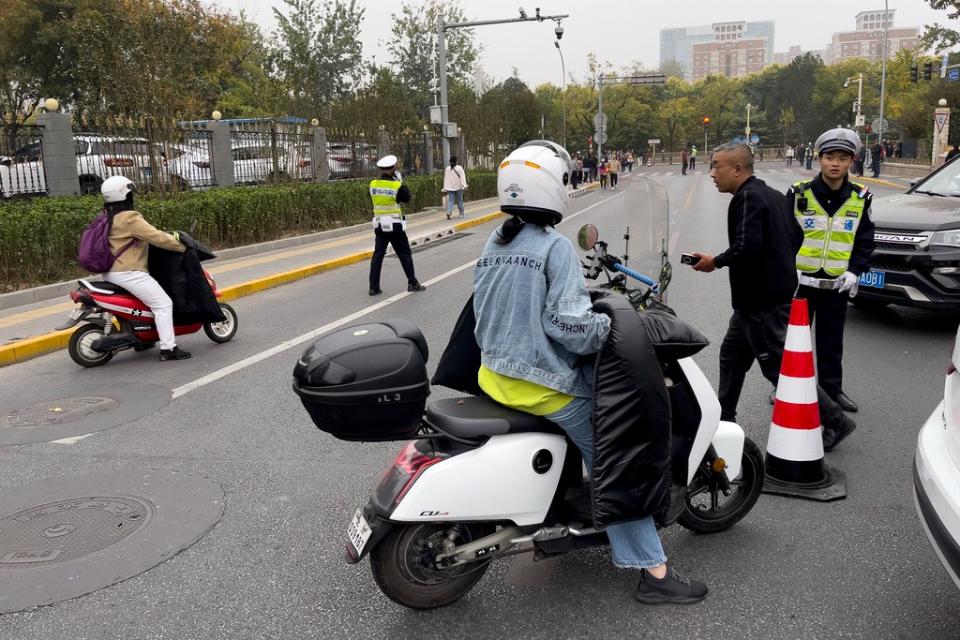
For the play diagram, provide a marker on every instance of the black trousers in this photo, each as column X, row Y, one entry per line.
column 398, row 239
column 613, row 179
column 759, row 336
column 828, row 315
column 693, row 163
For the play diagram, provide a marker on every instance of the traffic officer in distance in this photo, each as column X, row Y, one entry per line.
column 389, row 224
column 834, row 214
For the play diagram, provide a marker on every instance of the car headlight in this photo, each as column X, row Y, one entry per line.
column 948, row 238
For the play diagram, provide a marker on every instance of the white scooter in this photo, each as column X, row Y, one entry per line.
column 482, row 481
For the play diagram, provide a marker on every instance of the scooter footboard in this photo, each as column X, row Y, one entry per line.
column 728, row 443
column 511, row 477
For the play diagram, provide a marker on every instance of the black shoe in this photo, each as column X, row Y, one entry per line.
column 415, row 286
column 375, row 292
column 834, row 436
column 773, row 397
column 673, row 589
column 174, row 354
column 846, row 403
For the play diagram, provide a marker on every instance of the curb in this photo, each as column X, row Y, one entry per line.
column 883, row 182
column 36, row 346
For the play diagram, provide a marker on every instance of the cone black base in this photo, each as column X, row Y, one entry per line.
column 831, row 486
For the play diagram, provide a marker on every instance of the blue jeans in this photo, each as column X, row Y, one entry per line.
column 455, row 197
column 635, row 544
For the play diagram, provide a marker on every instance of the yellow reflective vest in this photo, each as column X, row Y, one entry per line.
column 384, row 196
column 827, row 240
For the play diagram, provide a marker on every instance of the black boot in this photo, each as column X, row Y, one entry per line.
column 415, row 286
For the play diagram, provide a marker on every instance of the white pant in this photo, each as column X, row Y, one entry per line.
column 150, row 293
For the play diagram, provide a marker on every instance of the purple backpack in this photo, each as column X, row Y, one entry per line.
column 94, row 254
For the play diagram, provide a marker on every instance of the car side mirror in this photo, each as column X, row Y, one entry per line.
column 6, row 161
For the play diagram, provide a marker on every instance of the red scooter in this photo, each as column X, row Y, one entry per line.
column 107, row 307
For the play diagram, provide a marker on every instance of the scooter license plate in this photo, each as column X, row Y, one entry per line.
column 76, row 313
column 359, row 531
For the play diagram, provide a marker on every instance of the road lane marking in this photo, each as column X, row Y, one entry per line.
column 202, row 381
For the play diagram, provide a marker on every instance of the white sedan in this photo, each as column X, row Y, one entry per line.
column 936, row 472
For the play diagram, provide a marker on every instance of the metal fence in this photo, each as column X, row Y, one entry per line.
column 270, row 151
column 21, row 161
column 351, row 153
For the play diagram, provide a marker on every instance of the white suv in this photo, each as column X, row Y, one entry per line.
column 936, row 472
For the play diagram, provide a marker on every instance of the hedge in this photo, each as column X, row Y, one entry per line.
column 39, row 237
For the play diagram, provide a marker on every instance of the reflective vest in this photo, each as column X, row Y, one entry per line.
column 384, row 196
column 827, row 240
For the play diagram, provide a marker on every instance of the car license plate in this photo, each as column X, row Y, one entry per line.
column 359, row 531
column 873, row 279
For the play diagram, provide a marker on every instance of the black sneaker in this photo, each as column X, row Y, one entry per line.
column 416, row 286
column 375, row 292
column 174, row 354
column 674, row 588
column 833, row 436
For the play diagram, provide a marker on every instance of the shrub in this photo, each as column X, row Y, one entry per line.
column 39, row 237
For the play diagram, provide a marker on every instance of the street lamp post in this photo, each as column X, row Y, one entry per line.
column 859, row 103
column 563, row 101
column 883, row 71
column 442, row 28
column 746, row 130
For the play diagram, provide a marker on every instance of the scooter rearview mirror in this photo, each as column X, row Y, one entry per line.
column 587, row 237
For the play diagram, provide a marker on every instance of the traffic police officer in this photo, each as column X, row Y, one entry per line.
column 834, row 214
column 389, row 224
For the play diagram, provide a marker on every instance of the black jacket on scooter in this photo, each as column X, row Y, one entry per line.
column 632, row 435
column 181, row 276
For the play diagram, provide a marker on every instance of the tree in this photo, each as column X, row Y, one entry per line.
column 320, row 54
column 413, row 43
column 939, row 37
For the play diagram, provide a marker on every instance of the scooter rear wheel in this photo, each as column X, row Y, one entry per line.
column 708, row 510
column 81, row 350
column 402, row 564
column 223, row 331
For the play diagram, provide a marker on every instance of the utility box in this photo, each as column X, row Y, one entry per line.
column 436, row 114
column 450, row 130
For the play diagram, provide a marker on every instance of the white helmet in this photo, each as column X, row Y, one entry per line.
column 839, row 139
column 116, row 189
column 532, row 182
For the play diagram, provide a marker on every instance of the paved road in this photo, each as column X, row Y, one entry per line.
column 272, row 567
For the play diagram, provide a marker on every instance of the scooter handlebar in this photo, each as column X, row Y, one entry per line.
column 634, row 274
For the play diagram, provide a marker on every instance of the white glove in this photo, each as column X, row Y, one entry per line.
column 849, row 283
column 398, row 176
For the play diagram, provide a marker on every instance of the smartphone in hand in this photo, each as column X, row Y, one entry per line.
column 689, row 258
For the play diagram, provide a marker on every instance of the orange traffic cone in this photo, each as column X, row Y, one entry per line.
column 794, row 464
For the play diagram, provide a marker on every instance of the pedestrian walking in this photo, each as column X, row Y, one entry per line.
column 614, row 172
column 590, row 166
column 693, row 157
column 808, row 158
column 389, row 224
column 801, row 151
column 684, row 160
column 454, row 184
column 834, row 214
column 629, row 162
column 876, row 156
column 861, row 160
column 604, row 172
column 788, row 154
column 764, row 239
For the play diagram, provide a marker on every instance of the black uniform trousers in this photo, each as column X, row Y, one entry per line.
column 401, row 246
column 759, row 336
column 828, row 315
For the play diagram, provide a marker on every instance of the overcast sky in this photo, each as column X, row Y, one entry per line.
column 621, row 31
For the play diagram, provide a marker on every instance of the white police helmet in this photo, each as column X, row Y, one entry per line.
column 387, row 162
column 117, row 188
column 532, row 182
column 839, row 139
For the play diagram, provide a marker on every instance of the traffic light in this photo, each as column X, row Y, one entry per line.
column 913, row 74
column 706, row 120
column 927, row 70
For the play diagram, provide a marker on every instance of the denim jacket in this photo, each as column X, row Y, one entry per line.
column 533, row 311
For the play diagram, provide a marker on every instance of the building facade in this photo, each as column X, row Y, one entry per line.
column 867, row 40
column 715, row 48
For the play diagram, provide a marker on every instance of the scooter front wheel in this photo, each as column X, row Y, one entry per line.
column 709, row 510
column 81, row 350
column 403, row 563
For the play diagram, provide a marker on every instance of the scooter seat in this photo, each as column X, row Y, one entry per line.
column 108, row 286
column 474, row 417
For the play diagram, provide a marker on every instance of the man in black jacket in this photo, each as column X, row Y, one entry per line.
column 764, row 239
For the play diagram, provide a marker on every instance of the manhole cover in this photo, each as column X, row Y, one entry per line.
column 57, row 411
column 64, row 537
column 61, row 531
